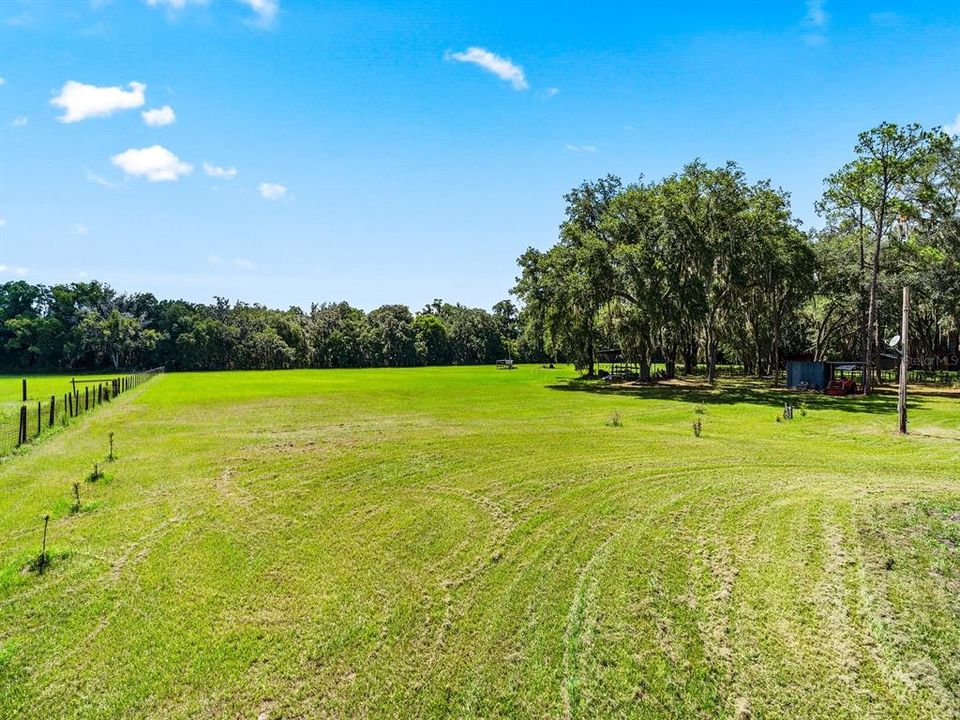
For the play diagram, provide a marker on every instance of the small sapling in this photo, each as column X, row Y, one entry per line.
column 76, row 498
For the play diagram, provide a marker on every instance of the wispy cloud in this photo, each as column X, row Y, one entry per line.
column 156, row 164
column 219, row 172
column 953, row 128
column 80, row 101
column 80, row 229
column 22, row 20
column 266, row 11
column 886, row 19
column 816, row 21
column 20, row 121
column 102, row 181
column 581, row 148
column 551, row 91
column 238, row 263
column 816, row 15
column 175, row 4
column 272, row 191
column 6, row 269
column 502, row 67
column 158, row 117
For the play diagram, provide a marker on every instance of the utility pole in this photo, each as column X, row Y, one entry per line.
column 904, row 361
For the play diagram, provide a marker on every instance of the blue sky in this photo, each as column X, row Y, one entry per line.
column 402, row 151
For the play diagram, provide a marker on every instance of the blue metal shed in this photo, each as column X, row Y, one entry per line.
column 812, row 375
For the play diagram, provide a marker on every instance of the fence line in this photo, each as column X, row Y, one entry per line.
column 35, row 419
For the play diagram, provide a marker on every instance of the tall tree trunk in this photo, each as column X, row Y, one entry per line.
column 869, row 355
column 590, row 351
column 689, row 358
column 775, row 359
column 671, row 361
column 864, row 307
column 711, row 352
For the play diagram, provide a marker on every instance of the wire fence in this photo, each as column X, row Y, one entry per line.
column 39, row 417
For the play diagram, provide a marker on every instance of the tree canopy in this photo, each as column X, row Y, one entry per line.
column 704, row 265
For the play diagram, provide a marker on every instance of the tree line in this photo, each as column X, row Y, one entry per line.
column 88, row 325
column 700, row 268
column 704, row 266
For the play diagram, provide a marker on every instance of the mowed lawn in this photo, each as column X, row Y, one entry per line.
column 463, row 542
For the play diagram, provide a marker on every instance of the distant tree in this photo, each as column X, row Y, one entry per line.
column 879, row 191
column 431, row 342
column 116, row 335
column 391, row 336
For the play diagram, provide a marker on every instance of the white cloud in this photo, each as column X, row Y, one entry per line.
column 82, row 101
column 22, row 20
column 20, row 121
column 175, row 4
column 550, row 92
column 80, row 229
column 94, row 178
column 158, row 117
column 581, row 148
column 238, row 263
column 266, row 10
column 3, row 81
column 816, row 20
column 155, row 163
column 12, row 270
column 219, row 172
column 502, row 67
column 272, row 191
column 816, row 15
column 953, row 128
column 3, row 221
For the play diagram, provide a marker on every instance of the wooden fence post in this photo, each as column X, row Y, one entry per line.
column 39, row 415
column 24, row 390
column 86, row 398
column 22, row 435
column 53, row 405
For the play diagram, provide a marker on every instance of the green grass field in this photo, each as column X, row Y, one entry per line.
column 39, row 387
column 463, row 542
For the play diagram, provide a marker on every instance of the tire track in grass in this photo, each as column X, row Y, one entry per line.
column 126, row 559
column 578, row 632
column 886, row 543
column 830, row 594
column 589, row 499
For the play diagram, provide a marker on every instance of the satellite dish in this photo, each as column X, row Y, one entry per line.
column 894, row 341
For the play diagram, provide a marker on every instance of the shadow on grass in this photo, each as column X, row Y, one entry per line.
column 735, row 391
